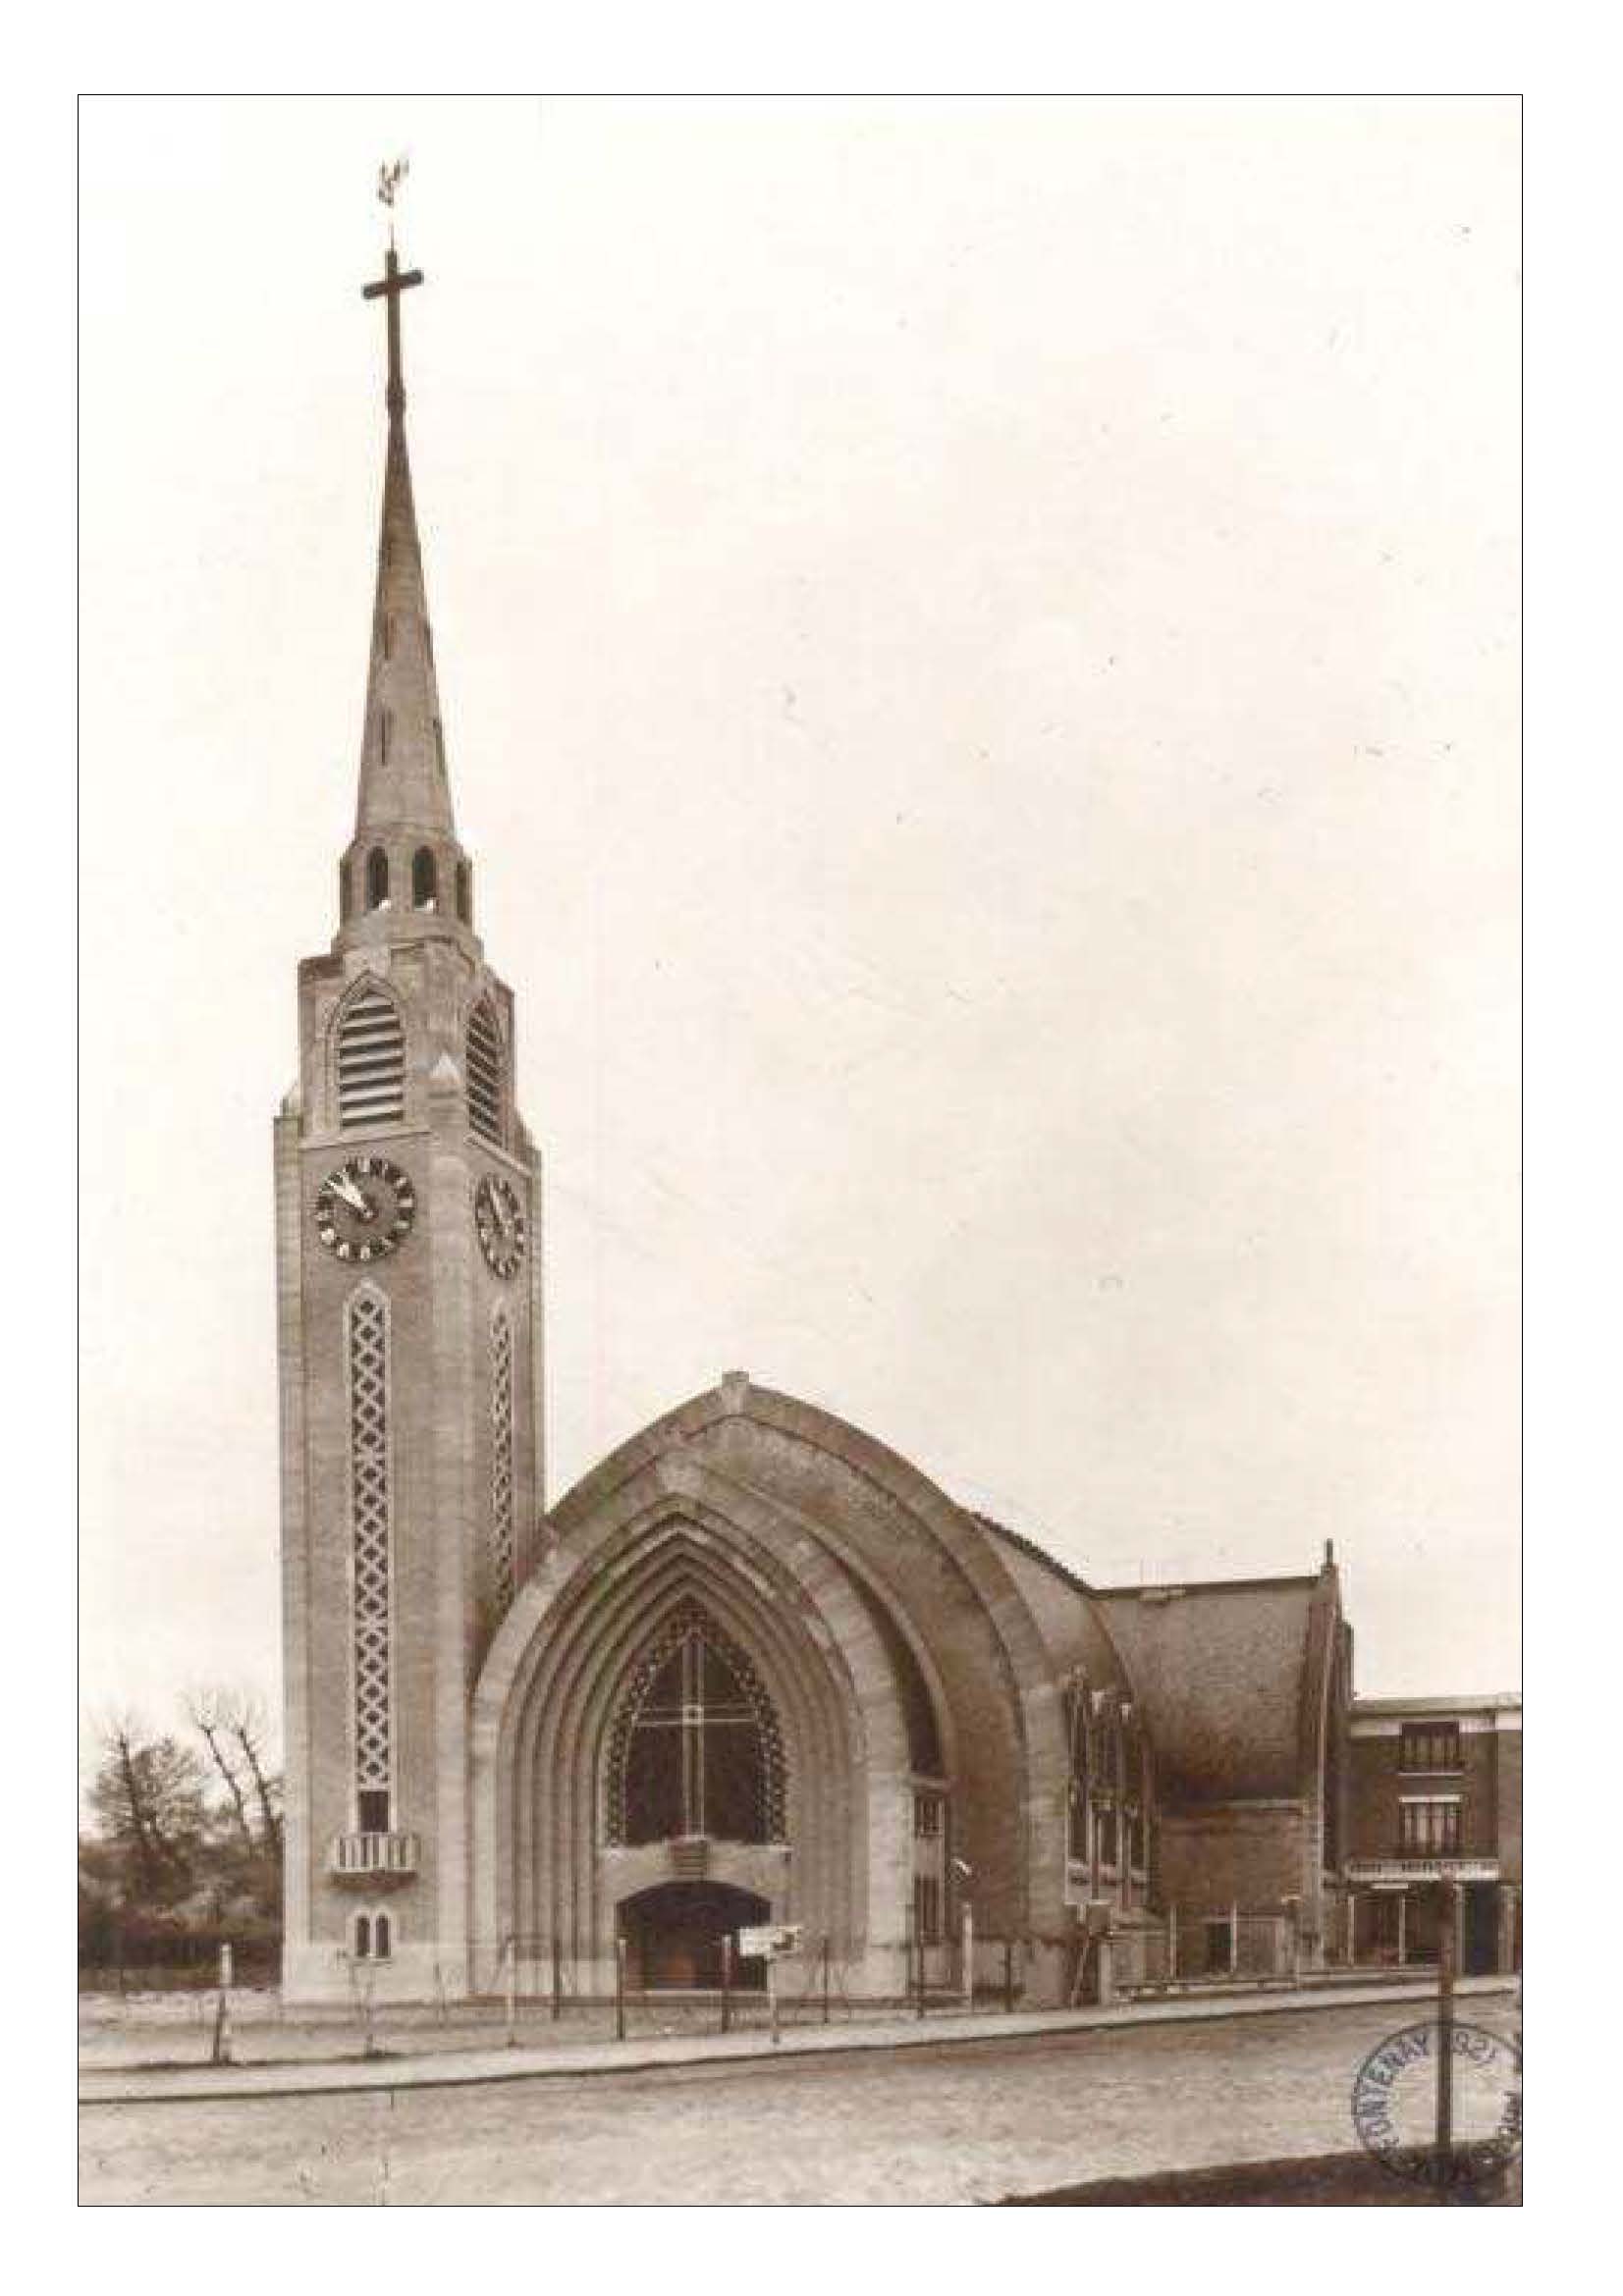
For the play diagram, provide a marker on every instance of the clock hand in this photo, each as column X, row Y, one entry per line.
column 342, row 1185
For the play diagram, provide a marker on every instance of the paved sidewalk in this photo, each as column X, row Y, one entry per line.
column 456, row 2070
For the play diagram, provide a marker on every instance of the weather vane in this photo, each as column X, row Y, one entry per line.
column 391, row 176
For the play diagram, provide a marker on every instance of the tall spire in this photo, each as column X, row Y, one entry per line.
column 403, row 785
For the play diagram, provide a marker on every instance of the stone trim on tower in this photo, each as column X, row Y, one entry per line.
column 500, row 1458
column 366, row 1352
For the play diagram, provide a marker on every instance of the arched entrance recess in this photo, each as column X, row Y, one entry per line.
column 674, row 1935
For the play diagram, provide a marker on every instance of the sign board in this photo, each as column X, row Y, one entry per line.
column 770, row 1942
column 1423, row 1869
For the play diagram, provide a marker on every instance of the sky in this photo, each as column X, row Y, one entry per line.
column 979, row 648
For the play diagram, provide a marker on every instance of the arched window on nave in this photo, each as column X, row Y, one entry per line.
column 695, row 1746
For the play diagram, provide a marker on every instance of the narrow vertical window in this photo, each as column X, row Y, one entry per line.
column 464, row 893
column 388, row 635
column 383, row 736
column 377, row 878
column 380, row 1938
column 500, row 1458
column 363, row 1937
column 345, row 901
column 366, row 1345
column 439, row 744
column 486, row 1074
column 425, row 880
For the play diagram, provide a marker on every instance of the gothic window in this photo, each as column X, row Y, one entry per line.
column 363, row 1937
column 695, row 1747
column 500, row 1458
column 377, row 878
column 380, row 1937
column 371, row 1059
column 424, row 879
column 486, row 1072
column 366, row 1342
column 1080, row 1785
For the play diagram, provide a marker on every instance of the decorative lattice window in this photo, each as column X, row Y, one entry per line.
column 501, row 1456
column 695, row 1746
column 372, row 1059
column 486, row 1074
column 366, row 1338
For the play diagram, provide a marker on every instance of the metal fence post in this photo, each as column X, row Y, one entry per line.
column 1446, row 1956
column 825, row 1981
column 726, row 1983
column 556, row 1981
column 620, row 1988
column 1009, row 1976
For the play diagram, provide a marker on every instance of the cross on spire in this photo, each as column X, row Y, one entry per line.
column 394, row 285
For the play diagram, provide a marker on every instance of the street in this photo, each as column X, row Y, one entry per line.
column 929, row 2125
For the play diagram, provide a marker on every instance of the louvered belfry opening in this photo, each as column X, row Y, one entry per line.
column 486, row 1076
column 371, row 1060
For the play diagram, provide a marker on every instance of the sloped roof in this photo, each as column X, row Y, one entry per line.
column 1222, row 1672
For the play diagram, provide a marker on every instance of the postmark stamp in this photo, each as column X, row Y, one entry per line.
column 1394, row 2110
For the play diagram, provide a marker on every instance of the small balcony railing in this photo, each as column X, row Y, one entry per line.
column 371, row 1857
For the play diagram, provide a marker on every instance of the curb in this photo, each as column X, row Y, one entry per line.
column 590, row 2060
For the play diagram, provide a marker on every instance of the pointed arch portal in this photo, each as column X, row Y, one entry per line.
column 673, row 1935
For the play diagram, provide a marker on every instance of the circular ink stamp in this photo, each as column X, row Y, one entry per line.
column 1395, row 2108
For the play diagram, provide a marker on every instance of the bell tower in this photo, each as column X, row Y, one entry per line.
column 408, row 1230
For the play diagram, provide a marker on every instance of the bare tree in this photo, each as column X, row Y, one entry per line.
column 247, row 1726
column 210, row 1712
column 147, row 1794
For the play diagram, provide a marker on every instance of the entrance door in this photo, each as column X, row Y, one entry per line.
column 1481, row 1910
column 673, row 1935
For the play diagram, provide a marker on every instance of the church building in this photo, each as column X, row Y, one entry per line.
column 755, row 1667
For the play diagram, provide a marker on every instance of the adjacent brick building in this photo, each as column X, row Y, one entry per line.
column 754, row 1666
column 1436, row 1790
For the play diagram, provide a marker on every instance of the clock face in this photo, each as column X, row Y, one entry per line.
column 499, row 1218
column 365, row 1208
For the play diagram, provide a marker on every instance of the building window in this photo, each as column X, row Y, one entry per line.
column 1110, row 1835
column 486, row 1074
column 377, row 878
column 374, row 1940
column 464, row 893
column 927, row 1908
column 425, row 880
column 1429, row 1745
column 372, row 1059
column 927, row 1817
column 1079, row 1736
column 366, row 1338
column 695, row 1748
column 1429, row 1829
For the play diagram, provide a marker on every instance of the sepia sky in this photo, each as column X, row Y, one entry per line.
column 979, row 650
